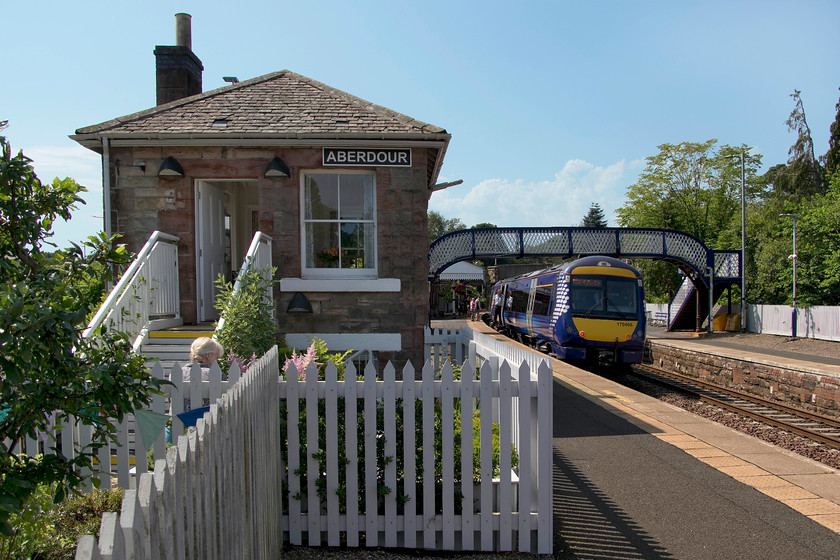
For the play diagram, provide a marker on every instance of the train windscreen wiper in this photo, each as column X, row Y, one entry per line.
column 610, row 302
column 597, row 303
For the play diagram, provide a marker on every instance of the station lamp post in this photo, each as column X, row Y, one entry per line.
column 793, row 256
column 743, row 249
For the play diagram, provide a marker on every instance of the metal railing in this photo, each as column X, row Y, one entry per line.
column 148, row 289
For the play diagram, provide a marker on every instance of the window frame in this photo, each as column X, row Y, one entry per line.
column 338, row 273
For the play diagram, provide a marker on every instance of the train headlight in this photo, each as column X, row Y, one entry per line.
column 582, row 334
column 628, row 337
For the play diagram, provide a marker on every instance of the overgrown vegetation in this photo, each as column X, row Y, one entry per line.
column 249, row 329
column 49, row 531
column 49, row 373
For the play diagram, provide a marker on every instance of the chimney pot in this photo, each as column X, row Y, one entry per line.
column 183, row 30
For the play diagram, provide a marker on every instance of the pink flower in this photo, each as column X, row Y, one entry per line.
column 302, row 361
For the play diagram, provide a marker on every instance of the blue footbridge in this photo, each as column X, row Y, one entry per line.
column 707, row 271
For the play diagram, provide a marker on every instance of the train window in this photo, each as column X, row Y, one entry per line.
column 621, row 296
column 520, row 301
column 600, row 297
column 542, row 300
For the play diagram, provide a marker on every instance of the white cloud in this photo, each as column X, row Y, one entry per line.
column 85, row 167
column 560, row 201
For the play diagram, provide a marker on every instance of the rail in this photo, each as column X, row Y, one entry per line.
column 259, row 256
column 817, row 427
column 147, row 290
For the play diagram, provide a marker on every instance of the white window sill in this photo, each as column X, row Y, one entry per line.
column 340, row 285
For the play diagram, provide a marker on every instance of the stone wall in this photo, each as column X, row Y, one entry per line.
column 803, row 389
column 142, row 203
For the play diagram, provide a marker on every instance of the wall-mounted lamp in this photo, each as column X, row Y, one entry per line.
column 171, row 168
column 299, row 304
column 276, row 168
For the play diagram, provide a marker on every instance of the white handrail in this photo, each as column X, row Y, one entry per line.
column 259, row 255
column 129, row 279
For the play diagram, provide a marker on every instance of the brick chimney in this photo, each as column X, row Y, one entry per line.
column 178, row 70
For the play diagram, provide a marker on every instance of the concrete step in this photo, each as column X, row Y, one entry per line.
column 178, row 337
column 171, row 352
column 173, row 344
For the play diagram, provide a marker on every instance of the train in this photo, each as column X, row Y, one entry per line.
column 589, row 310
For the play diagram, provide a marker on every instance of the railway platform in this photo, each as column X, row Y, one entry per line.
column 639, row 478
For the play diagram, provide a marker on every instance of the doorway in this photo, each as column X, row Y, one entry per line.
column 222, row 237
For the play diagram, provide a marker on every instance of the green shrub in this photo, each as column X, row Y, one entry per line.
column 49, row 531
column 249, row 328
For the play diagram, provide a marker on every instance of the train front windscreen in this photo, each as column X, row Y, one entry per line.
column 600, row 297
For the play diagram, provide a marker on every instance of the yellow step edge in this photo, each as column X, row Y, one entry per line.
column 180, row 334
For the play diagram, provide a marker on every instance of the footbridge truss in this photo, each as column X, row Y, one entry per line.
column 679, row 248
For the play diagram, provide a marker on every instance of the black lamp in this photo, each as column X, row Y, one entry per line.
column 276, row 168
column 171, row 168
column 299, row 304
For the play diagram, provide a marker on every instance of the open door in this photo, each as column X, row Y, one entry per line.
column 211, row 240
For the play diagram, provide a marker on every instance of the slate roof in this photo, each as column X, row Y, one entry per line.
column 281, row 104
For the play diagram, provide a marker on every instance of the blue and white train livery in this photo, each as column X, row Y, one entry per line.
column 591, row 309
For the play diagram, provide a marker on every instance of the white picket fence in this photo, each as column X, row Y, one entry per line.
column 216, row 495
column 229, row 468
column 512, row 512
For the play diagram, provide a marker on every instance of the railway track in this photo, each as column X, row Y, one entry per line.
column 817, row 427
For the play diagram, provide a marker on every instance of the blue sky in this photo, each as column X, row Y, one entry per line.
column 551, row 105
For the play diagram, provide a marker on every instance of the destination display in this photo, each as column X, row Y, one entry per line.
column 378, row 157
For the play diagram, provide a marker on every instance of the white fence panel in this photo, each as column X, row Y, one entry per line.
column 217, row 492
column 822, row 322
column 439, row 507
column 818, row 322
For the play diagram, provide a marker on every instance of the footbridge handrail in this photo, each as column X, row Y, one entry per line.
column 148, row 288
column 680, row 248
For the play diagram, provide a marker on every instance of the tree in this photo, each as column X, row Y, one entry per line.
column 595, row 217
column 796, row 187
column 694, row 187
column 802, row 176
column 48, row 372
column 831, row 160
column 439, row 226
column 483, row 225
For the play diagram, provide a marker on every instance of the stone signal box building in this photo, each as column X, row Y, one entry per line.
column 340, row 185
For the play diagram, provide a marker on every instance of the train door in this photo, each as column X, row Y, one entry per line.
column 529, row 316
